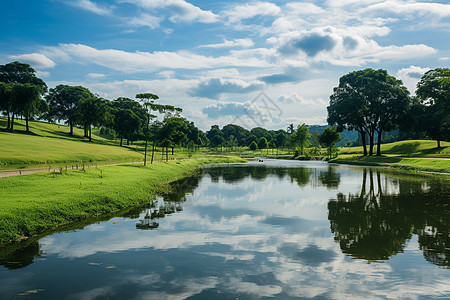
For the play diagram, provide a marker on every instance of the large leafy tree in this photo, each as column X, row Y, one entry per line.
column 63, row 103
column 21, row 91
column 369, row 101
column 434, row 92
column 129, row 118
column 93, row 112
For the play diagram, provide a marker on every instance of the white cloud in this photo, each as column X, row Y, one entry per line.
column 214, row 87
column 411, row 76
column 95, row 75
column 247, row 42
column 131, row 62
column 180, row 10
column 144, row 20
column 36, row 60
column 91, row 6
column 250, row 10
column 402, row 7
column 42, row 74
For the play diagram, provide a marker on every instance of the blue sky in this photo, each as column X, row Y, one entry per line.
column 214, row 58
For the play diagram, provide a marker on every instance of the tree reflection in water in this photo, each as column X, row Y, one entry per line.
column 374, row 225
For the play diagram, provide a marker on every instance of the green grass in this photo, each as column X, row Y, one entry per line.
column 413, row 148
column 34, row 203
column 30, row 149
column 56, row 131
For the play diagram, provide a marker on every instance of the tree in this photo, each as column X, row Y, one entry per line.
column 129, row 118
column 63, row 103
column 434, row 92
column 149, row 102
column 253, row 146
column 369, row 101
column 262, row 143
column 302, row 136
column 329, row 137
column 22, row 92
column 93, row 112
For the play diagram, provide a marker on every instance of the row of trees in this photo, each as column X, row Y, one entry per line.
column 372, row 102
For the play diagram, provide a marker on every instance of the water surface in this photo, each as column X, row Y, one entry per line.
column 277, row 229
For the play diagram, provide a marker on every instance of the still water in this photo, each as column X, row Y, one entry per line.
column 272, row 229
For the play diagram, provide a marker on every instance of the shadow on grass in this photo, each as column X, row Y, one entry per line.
column 407, row 148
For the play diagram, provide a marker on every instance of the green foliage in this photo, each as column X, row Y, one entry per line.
column 434, row 92
column 253, row 146
column 328, row 138
column 369, row 101
column 262, row 143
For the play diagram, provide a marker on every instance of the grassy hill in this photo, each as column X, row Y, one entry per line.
column 51, row 143
column 413, row 148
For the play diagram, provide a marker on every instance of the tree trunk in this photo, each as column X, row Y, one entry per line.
column 27, row 128
column 363, row 139
column 172, row 150
column 86, row 131
column 153, row 151
column 71, row 128
column 128, row 141
column 162, row 153
column 438, row 143
column 90, row 134
column 371, row 144
column 379, row 143
column 9, row 119
column 167, row 154
column 12, row 122
column 121, row 139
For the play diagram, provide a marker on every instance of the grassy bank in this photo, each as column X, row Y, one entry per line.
column 33, row 203
column 405, row 163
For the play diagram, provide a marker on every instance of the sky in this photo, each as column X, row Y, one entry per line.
column 254, row 63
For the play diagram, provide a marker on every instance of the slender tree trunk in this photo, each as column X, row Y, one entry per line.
column 363, row 139
column 27, row 128
column 90, row 133
column 438, row 143
column 167, row 153
column 162, row 153
column 71, row 128
column 12, row 122
column 172, row 150
column 9, row 119
column 121, row 141
column 128, row 141
column 153, row 151
column 379, row 143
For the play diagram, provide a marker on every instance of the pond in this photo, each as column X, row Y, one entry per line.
column 272, row 229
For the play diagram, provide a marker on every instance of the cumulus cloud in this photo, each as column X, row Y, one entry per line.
column 221, row 109
column 403, row 7
column 180, row 10
column 411, row 76
column 91, row 6
column 214, row 87
column 247, row 42
column 36, row 60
